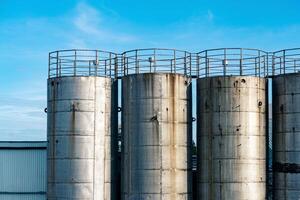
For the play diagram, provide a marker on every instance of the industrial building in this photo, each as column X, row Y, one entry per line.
column 120, row 126
column 23, row 169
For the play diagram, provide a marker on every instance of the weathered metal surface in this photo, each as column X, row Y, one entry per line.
column 81, row 151
column 286, row 137
column 231, row 134
column 157, row 137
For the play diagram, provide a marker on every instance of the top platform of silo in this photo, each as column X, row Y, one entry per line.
column 82, row 62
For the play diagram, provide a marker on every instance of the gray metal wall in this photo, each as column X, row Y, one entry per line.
column 82, row 145
column 286, row 137
column 157, row 136
column 23, row 170
column 231, row 138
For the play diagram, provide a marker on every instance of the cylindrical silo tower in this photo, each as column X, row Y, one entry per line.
column 156, row 125
column 231, row 124
column 82, row 125
column 286, row 124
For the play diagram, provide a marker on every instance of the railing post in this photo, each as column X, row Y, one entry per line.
column 224, row 63
column 110, row 65
column 136, row 62
column 154, row 60
column 49, row 65
column 273, row 64
column 283, row 61
column 241, row 62
column 197, row 65
column 190, row 64
column 206, row 64
column 57, row 58
column 259, row 63
column 184, row 65
column 174, row 52
column 75, row 60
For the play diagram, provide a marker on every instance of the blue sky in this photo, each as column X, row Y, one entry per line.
column 30, row 29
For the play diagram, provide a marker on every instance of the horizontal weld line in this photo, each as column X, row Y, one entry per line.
column 133, row 99
column 87, row 110
column 75, row 99
column 285, row 132
column 161, row 169
column 232, row 182
column 71, row 111
column 231, row 111
column 68, row 182
column 68, row 131
column 147, row 193
column 284, row 113
column 77, row 135
column 159, row 145
column 226, row 134
column 287, row 189
column 210, row 88
column 286, row 94
column 162, row 122
column 235, row 159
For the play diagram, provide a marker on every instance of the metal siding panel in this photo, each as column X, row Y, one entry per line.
column 22, row 196
column 23, row 170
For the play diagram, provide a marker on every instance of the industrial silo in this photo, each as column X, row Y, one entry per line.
column 286, row 124
column 231, row 124
column 156, row 125
column 82, row 125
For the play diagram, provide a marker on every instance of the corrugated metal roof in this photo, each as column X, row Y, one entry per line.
column 23, row 144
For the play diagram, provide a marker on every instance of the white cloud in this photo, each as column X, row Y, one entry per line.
column 88, row 20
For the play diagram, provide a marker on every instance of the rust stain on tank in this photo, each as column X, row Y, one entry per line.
column 54, row 91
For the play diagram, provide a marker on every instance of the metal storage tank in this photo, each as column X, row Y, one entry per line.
column 23, row 170
column 156, row 125
column 231, row 124
column 286, row 124
column 82, row 125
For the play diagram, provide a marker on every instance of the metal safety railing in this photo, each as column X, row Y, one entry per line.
column 207, row 63
column 156, row 60
column 81, row 62
column 286, row 61
column 231, row 62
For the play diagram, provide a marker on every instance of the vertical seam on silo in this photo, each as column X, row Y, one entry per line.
column 94, row 156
